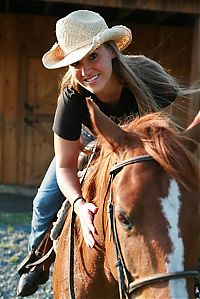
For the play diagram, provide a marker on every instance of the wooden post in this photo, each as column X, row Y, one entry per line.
column 195, row 69
column 194, row 106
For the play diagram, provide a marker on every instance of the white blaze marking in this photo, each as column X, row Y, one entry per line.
column 171, row 210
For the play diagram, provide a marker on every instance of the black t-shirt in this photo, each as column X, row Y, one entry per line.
column 72, row 110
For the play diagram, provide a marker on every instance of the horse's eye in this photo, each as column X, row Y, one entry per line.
column 125, row 221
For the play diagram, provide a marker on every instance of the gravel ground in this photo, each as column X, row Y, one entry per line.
column 14, row 232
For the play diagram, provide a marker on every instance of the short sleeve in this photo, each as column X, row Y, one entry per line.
column 69, row 115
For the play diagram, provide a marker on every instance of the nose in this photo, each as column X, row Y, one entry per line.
column 85, row 68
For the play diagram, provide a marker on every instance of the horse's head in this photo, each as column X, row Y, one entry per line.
column 156, row 203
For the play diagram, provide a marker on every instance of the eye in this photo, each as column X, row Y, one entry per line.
column 125, row 221
column 93, row 56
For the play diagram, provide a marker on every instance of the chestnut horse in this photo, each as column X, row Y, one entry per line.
column 147, row 245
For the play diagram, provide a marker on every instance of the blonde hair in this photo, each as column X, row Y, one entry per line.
column 140, row 74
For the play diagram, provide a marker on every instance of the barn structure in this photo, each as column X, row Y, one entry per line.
column 165, row 30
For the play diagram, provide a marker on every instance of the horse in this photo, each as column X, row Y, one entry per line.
column 145, row 183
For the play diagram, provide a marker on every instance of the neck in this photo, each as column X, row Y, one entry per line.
column 111, row 94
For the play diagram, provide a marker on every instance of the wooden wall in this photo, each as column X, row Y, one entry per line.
column 28, row 92
column 27, row 98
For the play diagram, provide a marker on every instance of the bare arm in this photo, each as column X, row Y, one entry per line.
column 66, row 167
column 193, row 130
column 195, row 122
column 67, row 153
column 193, row 133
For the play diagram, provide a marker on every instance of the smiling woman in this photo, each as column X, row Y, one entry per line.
column 121, row 85
column 94, row 73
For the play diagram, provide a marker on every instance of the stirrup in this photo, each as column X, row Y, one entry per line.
column 30, row 258
column 42, row 255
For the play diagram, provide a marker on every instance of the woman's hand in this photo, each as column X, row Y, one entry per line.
column 86, row 212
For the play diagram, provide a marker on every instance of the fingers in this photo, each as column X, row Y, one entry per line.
column 88, row 238
column 87, row 218
column 92, row 208
column 90, row 221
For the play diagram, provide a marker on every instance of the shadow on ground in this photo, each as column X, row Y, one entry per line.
column 16, row 199
column 13, row 203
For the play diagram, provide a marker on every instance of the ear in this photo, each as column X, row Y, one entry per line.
column 193, row 134
column 105, row 127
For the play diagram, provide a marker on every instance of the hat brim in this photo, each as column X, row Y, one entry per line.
column 55, row 57
column 51, row 60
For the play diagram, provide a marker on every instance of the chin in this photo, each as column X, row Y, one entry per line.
column 97, row 89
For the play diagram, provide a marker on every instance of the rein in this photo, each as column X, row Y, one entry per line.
column 72, row 228
column 125, row 289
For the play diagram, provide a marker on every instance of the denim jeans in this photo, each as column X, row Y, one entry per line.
column 47, row 201
column 46, row 204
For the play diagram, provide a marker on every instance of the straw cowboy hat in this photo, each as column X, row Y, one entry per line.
column 79, row 33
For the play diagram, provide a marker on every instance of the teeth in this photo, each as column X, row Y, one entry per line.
column 92, row 79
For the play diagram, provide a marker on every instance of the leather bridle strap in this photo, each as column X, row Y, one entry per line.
column 72, row 228
column 119, row 166
column 119, row 263
column 71, row 255
column 126, row 289
column 159, row 278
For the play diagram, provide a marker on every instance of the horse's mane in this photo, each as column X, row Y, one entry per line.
column 160, row 140
column 168, row 147
column 99, row 173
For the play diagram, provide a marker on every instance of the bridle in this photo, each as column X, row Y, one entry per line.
column 126, row 287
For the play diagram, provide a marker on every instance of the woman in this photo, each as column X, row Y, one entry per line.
column 121, row 85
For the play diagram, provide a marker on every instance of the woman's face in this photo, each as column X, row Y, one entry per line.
column 94, row 72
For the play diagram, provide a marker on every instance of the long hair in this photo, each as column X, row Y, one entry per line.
column 143, row 77
column 137, row 72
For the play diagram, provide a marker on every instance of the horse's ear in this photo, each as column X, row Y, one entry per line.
column 192, row 134
column 105, row 127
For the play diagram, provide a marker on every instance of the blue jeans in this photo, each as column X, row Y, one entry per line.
column 48, row 201
column 46, row 204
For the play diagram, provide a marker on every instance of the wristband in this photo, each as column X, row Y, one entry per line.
column 80, row 197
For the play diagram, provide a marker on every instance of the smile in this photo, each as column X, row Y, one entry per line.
column 89, row 80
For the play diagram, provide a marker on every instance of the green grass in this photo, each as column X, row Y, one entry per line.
column 11, row 219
